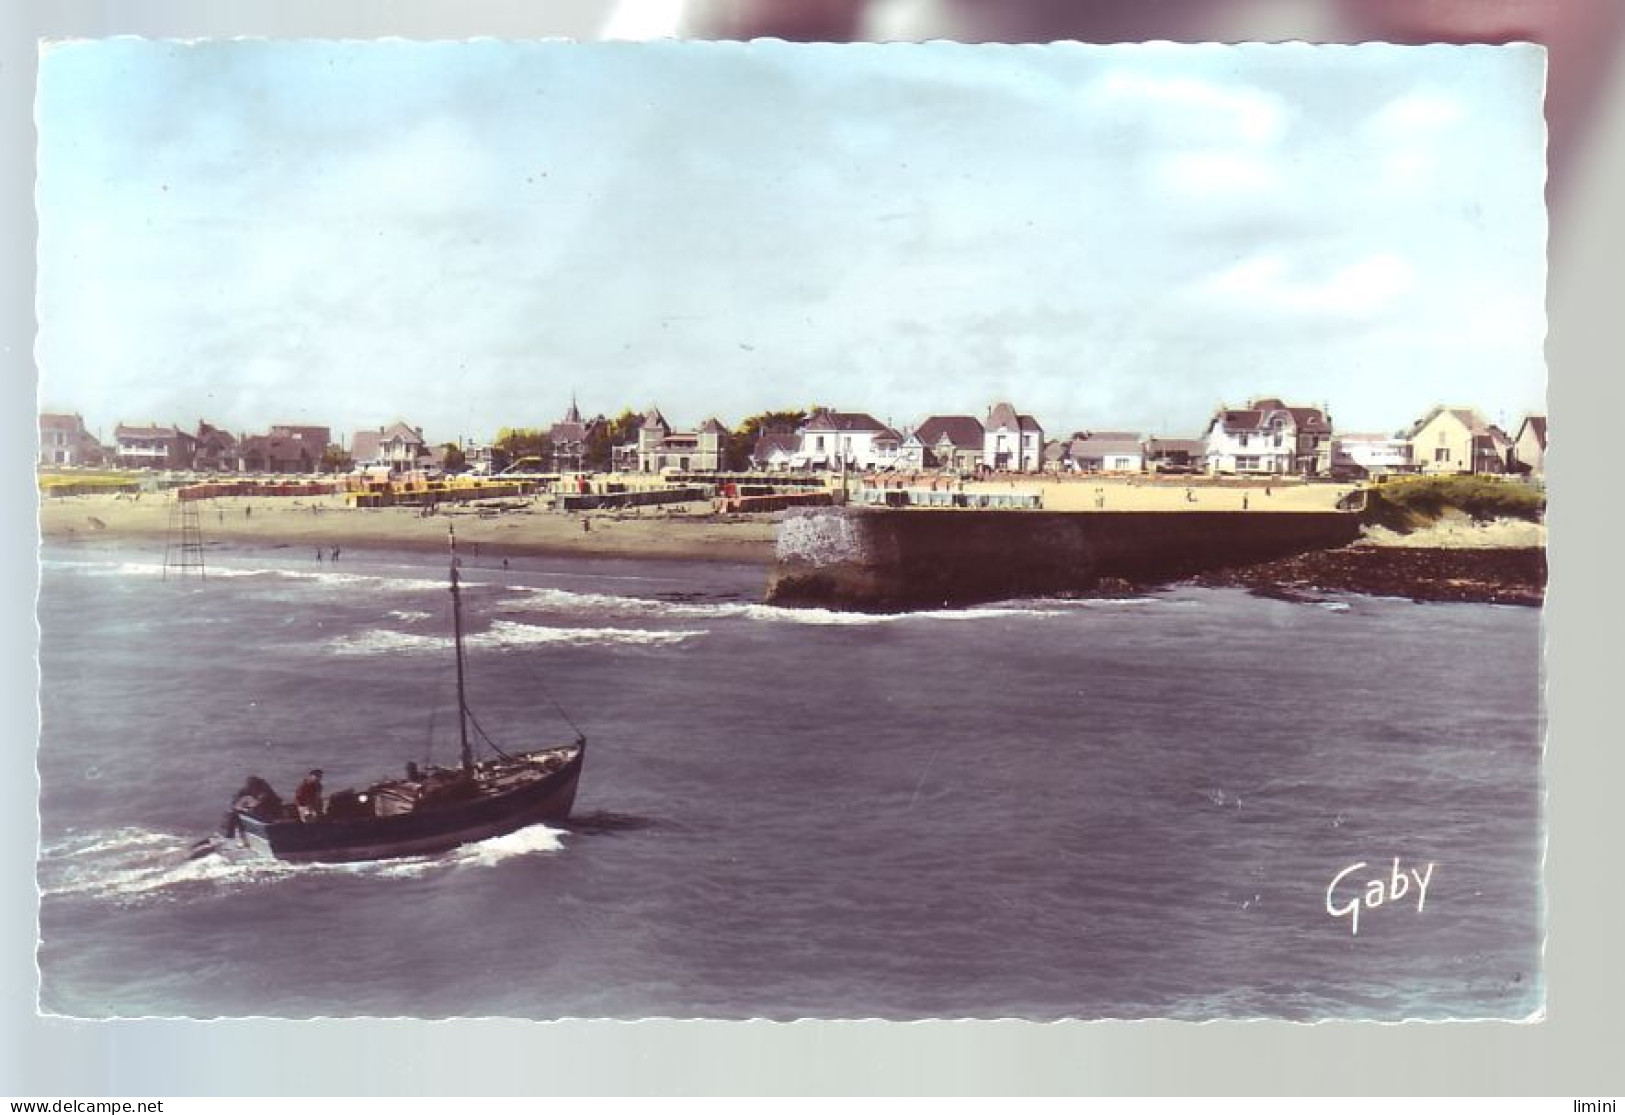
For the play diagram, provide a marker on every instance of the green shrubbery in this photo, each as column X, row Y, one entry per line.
column 1415, row 502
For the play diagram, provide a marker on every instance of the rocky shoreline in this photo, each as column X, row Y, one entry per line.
column 1478, row 576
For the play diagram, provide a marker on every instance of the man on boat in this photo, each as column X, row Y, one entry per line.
column 257, row 799
column 308, row 797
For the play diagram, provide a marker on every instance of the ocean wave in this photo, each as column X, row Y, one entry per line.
column 503, row 634
column 563, row 601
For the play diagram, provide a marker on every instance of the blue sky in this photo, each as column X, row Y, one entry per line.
column 462, row 234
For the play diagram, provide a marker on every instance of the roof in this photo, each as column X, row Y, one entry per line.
column 70, row 422
column 1174, row 445
column 712, row 426
column 654, row 420
column 1537, row 423
column 1476, row 423
column 321, row 434
column 1004, row 416
column 123, row 431
column 962, row 431
column 767, row 443
column 1090, row 448
column 1258, row 414
column 400, row 431
column 848, row 421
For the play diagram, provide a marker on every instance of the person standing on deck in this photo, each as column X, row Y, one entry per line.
column 308, row 797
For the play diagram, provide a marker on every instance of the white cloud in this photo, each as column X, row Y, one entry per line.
column 1416, row 115
column 1269, row 284
column 1221, row 114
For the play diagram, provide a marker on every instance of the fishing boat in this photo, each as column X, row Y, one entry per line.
column 431, row 809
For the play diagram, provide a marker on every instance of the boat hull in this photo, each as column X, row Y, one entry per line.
column 425, row 832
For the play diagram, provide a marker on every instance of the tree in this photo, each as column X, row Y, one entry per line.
column 603, row 437
column 453, row 459
column 335, row 459
column 524, row 447
column 742, row 441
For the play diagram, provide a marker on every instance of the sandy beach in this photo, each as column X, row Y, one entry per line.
column 520, row 528
column 692, row 531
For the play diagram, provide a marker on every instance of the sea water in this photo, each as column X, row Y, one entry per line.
column 1103, row 808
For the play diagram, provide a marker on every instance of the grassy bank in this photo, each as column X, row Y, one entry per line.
column 1418, row 502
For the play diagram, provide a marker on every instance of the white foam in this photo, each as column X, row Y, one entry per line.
column 131, row 865
column 560, row 600
column 504, row 634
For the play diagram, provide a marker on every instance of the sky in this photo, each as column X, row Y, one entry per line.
column 464, row 235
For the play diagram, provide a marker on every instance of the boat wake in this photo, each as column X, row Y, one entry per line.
column 132, row 866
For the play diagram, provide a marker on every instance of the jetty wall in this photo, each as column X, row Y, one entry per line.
column 878, row 559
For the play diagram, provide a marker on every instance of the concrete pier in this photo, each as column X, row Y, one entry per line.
column 879, row 559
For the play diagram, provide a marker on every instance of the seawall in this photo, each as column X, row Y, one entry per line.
column 874, row 559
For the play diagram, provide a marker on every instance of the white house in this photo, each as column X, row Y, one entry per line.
column 833, row 439
column 1268, row 437
column 1012, row 442
column 1107, row 452
column 1371, row 454
column 399, row 448
column 775, row 451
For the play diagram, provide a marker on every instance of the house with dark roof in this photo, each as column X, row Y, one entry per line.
column 217, row 450
column 663, row 449
column 946, row 441
column 1529, row 447
column 1451, row 440
column 63, row 440
column 153, row 447
column 1269, row 437
column 835, row 439
column 1012, row 442
column 286, row 449
column 568, row 437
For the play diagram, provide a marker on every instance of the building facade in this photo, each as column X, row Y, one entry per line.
column 662, row 449
column 165, row 447
column 63, row 440
column 1454, row 440
column 1012, row 442
column 1270, row 438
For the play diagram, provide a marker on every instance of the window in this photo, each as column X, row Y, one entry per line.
column 1242, row 441
column 1441, row 455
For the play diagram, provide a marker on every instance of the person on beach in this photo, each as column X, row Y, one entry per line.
column 335, row 553
column 1244, row 501
column 318, row 553
column 308, row 797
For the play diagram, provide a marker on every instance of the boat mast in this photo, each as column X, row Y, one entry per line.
column 457, row 633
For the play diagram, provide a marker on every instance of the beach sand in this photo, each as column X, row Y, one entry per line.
column 685, row 531
column 307, row 522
